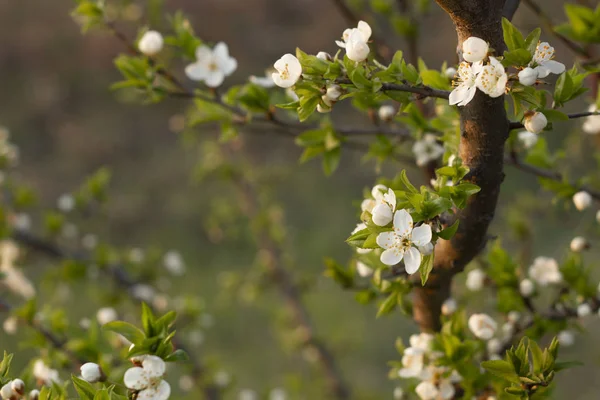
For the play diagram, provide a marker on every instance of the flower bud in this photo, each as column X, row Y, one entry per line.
column 494, row 346
column 527, row 138
column 528, row 76
column 536, row 122
column 578, row 244
column 582, row 200
column 475, row 280
column 483, row 326
column 449, row 306
column 583, row 310
column 386, row 113
column 326, row 100
column 334, row 92
column 151, row 43
column 382, row 215
column 363, row 269
column 323, row 109
column 526, row 287
column 92, row 372
column 513, row 317
column 357, row 48
column 106, row 315
column 18, row 386
column 398, row 393
column 34, row 394
column 324, row 56
column 6, row 392
column 474, row 49
column 566, row 338
column 450, row 72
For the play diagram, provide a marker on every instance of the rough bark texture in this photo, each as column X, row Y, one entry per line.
column 484, row 130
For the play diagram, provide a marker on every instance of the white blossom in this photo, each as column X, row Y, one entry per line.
column 526, row 287
column 427, row 391
column 363, row 269
column 22, row 221
column 536, row 122
column 543, row 61
column 186, row 383
column 323, row 108
column 322, row 55
column 465, row 84
column 106, row 314
column 598, row 216
column 494, row 346
column 578, row 244
column 529, row 139
column 474, row 49
column 566, row 338
column 450, row 72
column 355, row 41
column 10, row 325
column 582, row 200
column 449, row 306
column 383, row 212
column 333, row 92
column 247, row 394
column 413, row 361
column 545, row 271
column 421, row 341
column 44, row 373
column 513, row 316
column 34, row 394
column 212, row 65
column 18, row 386
column 174, row 263
column 591, row 124
column 475, row 280
column 6, row 392
column 65, row 202
column 147, row 380
column 398, row 393
column 222, row 378
column 427, row 149
column 288, row 71
column 91, row 372
column 492, row 79
column 403, row 242
column 483, row 326
column 528, row 76
column 151, row 43
column 583, row 310
column 386, row 113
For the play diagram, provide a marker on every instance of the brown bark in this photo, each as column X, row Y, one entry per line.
column 484, row 130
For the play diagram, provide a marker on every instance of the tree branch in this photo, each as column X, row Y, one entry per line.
column 519, row 125
column 510, row 8
column 424, row 91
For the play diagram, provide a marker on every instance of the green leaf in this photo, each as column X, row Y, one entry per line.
column 532, row 40
column 129, row 331
column 331, row 160
column 308, row 105
column 406, row 182
column 311, row 138
column 148, row 320
column 177, row 355
column 388, row 305
column 502, row 369
column 426, row 268
column 449, row 232
column 518, row 57
column 512, row 36
column 85, row 389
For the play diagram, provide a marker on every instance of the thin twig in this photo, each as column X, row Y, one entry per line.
column 424, row 91
column 519, row 125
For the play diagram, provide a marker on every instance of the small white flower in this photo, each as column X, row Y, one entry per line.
column 427, row 150
column 324, row 56
column 186, row 383
column 427, row 391
column 412, row 362
column 591, row 125
column 151, row 43
column 222, row 378
column 333, row 92
column 528, row 76
column 583, row 310
column 363, row 28
column 483, row 326
column 34, row 394
column 44, row 373
column 421, row 341
column 466, row 86
column 22, row 221
column 6, row 392
column 355, row 41
column 386, row 113
column 492, row 79
column 89, row 241
column 65, row 202
column 247, row 394
column 543, row 61
column 513, row 317
column 528, row 139
column 401, row 242
column 474, row 49
column 18, row 386
column 91, row 372
column 263, row 81
column 450, row 72
column 106, row 315
column 536, row 122
column 475, row 280
column 545, row 271
column 288, row 72
column 363, row 269
column 174, row 263
column 212, row 65
column 398, row 393
column 566, row 338
column 449, row 306
column 10, row 325
column 323, row 108
column 494, row 346
column 582, row 200
column 383, row 212
column 147, row 380
column 143, row 292
column 578, row 244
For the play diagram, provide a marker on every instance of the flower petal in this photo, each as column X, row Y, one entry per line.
column 154, row 366
column 555, row 67
column 458, row 95
column 391, row 256
column 403, row 222
column 469, row 96
column 412, row 260
column 365, row 29
column 382, row 214
column 340, row 44
column 421, row 235
column 214, row 78
column 160, row 392
column 203, row 53
column 542, row 71
column 136, row 378
column 385, row 240
column 196, row 71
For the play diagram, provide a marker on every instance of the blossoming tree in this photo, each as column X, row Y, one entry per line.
column 463, row 123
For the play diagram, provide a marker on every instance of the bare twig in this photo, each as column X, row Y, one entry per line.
column 424, row 91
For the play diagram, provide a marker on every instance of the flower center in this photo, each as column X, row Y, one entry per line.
column 285, row 74
column 213, row 66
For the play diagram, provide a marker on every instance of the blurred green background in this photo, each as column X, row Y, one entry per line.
column 56, row 102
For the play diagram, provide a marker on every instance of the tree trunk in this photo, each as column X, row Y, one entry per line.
column 484, row 130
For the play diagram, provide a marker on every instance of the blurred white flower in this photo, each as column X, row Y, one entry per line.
column 266, row 81
column 579, row 244
column 583, row 310
column 513, row 316
column 582, row 200
column 403, row 242
column 545, row 271
column 18, row 386
column 186, row 383
column 22, row 221
column 106, row 314
column 289, row 70
column 386, row 113
column 322, row 55
column 10, row 325
column 526, row 287
column 151, row 43
column 483, row 326
column 591, row 124
column 174, row 263
column 65, row 203
column 89, row 241
column 143, row 292
column 363, row 269
column 450, row 72
column 333, row 92
column 277, row 394
column 492, row 79
column 14, row 279
column 536, row 122
column 147, row 380
column 475, row 280
column 474, row 49
column 427, row 149
column 247, row 394
column 529, row 139
column 44, row 373
column 413, row 360
column 566, row 338
column 494, row 346
column 222, row 378
column 212, row 65
column 449, row 306
column 398, row 393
